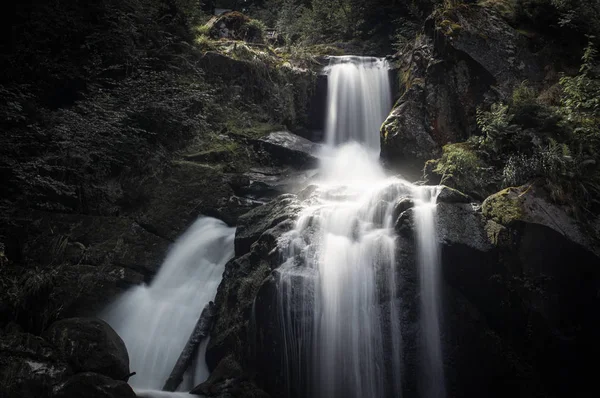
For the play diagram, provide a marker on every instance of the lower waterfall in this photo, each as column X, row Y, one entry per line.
column 341, row 266
column 156, row 321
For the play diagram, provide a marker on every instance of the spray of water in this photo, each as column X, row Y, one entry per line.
column 156, row 321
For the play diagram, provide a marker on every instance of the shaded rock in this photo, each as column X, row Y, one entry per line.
column 488, row 39
column 256, row 255
column 29, row 366
column 169, row 204
column 468, row 57
column 255, row 222
column 289, row 148
column 405, row 135
column 215, row 155
column 462, row 224
column 93, row 385
column 229, row 380
column 451, row 195
column 401, row 206
column 76, row 239
column 531, row 204
column 90, row 345
column 265, row 183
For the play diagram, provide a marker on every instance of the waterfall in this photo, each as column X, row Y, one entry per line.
column 156, row 321
column 358, row 100
column 340, row 339
column 432, row 385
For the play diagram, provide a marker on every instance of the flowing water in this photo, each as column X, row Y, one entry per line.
column 156, row 321
column 340, row 341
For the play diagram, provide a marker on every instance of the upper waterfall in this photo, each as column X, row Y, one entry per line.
column 358, row 100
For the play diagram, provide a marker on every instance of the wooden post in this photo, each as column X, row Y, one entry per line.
column 200, row 332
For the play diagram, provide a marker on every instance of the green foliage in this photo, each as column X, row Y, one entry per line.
column 582, row 16
column 254, row 29
column 461, row 167
column 558, row 145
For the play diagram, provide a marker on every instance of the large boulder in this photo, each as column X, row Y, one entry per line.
column 92, row 385
column 256, row 256
column 90, row 345
column 290, row 148
column 29, row 366
column 229, row 380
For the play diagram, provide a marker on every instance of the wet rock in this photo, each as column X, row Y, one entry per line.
column 290, row 149
column 229, row 380
column 263, row 184
column 90, row 345
column 92, row 385
column 29, row 366
column 401, row 206
column 255, row 222
column 451, row 195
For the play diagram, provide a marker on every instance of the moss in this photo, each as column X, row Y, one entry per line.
column 449, row 28
column 497, row 234
column 506, row 8
column 504, row 207
column 461, row 168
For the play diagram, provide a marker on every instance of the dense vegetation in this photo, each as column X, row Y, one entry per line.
column 545, row 133
column 98, row 95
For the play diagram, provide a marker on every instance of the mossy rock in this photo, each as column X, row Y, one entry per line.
column 504, row 207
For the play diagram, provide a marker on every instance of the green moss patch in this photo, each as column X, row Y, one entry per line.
column 504, row 207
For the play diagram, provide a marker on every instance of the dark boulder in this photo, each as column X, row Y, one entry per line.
column 92, row 385
column 254, row 223
column 229, row 380
column 451, row 195
column 90, row 345
column 244, row 275
column 266, row 183
column 29, row 366
column 291, row 149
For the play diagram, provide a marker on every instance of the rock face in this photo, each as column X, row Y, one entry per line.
column 93, row 385
column 29, row 366
column 518, row 299
column 468, row 56
column 90, row 345
column 290, row 148
column 228, row 380
column 256, row 256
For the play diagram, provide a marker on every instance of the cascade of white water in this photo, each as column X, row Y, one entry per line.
column 341, row 263
column 156, row 321
column 432, row 372
column 358, row 100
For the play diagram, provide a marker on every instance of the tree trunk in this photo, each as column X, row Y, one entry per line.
column 200, row 332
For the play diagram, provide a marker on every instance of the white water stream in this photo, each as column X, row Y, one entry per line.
column 345, row 244
column 156, row 321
